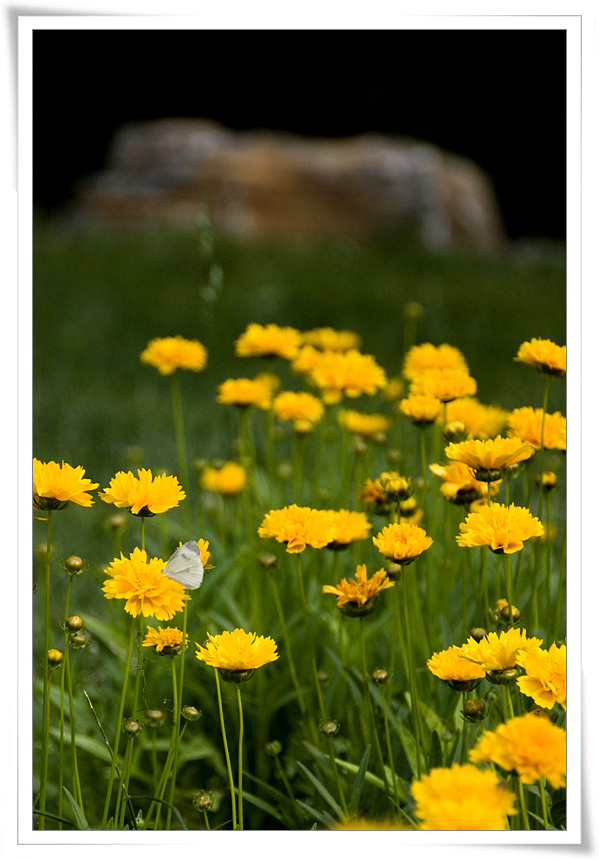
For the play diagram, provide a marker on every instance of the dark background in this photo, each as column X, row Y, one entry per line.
column 495, row 96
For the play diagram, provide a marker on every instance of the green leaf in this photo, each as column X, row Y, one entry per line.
column 358, row 784
column 323, row 816
column 80, row 819
column 263, row 805
column 322, row 790
column 435, row 758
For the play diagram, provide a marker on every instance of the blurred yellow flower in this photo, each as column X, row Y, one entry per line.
column 451, row 665
column 545, row 678
column 168, row 354
column 167, row 640
column 55, row 486
column 359, row 823
column 421, row 409
column 298, row 406
column 144, row 586
column 503, row 529
column 544, row 355
column 348, row 526
column 237, row 651
column 228, row 480
column 326, row 338
column 531, row 746
column 307, row 359
column 363, row 424
column 490, row 455
column 268, row 341
column 459, row 484
column 298, row 527
column 402, row 543
column 143, row 496
column 425, row 356
column 360, row 590
column 526, row 422
column 444, row 383
column 245, row 392
column 349, row 374
column 481, row 422
column 497, row 652
column 462, row 797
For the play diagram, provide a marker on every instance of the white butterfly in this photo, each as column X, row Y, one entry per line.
column 185, row 565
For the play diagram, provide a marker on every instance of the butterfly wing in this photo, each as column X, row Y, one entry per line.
column 185, row 566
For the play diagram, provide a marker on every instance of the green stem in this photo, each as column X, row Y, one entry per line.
column 124, row 782
column 63, row 670
column 542, row 444
column 181, row 447
column 542, row 781
column 240, row 760
column 46, row 684
column 560, row 588
column 373, row 733
column 390, row 751
column 423, row 457
column 507, row 569
column 171, row 750
column 288, row 651
column 412, row 678
column 177, row 715
column 523, row 809
column 226, row 747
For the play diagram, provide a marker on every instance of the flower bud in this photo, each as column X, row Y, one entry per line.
column 154, row 717
column 268, row 560
column 488, row 475
column 77, row 640
column 359, row 445
column 502, row 677
column 380, row 677
column 393, row 455
column 474, row 710
column 394, row 570
column 464, row 686
column 395, row 485
column 236, row 676
column 274, row 748
column 203, row 801
column 330, row 728
column 455, row 431
column 74, row 565
column 190, row 713
column 478, row 633
column 117, row 522
column 407, row 507
column 413, row 310
column 323, row 677
column 73, row 623
column 131, row 727
column 54, row 658
column 505, row 613
column 547, row 481
column 303, row 426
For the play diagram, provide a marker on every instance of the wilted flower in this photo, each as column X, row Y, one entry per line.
column 55, row 486
column 544, row 355
column 143, row 496
column 168, row 354
column 503, row 529
column 269, row 341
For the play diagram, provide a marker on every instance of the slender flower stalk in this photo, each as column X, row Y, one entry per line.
column 226, row 748
column 180, row 441
column 177, row 717
column 240, row 760
column 374, row 738
column 46, row 670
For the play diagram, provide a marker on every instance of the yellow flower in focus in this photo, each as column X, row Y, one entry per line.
column 204, row 552
column 459, row 484
column 481, row 422
column 421, row 409
column 268, row 341
column 402, row 543
column 497, row 652
column 237, row 651
column 525, row 423
column 531, row 746
column 425, row 356
column 451, row 665
column 168, row 354
column 362, row 424
column 348, row 526
column 503, row 529
column 298, row 406
column 298, row 527
column 144, row 586
column 228, row 480
column 490, row 455
column 462, row 797
column 544, row 355
column 444, row 383
column 358, row 591
column 327, row 338
column 545, row 678
column 143, row 496
column 167, row 640
column 55, row 486
column 349, row 374
column 245, row 392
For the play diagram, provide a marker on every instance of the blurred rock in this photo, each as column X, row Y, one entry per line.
column 265, row 184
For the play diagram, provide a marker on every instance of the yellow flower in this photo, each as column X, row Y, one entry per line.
column 165, row 640
column 168, row 354
column 359, row 823
column 481, row 422
column 425, row 356
column 362, row 424
column 55, row 486
column 228, row 480
column 298, row 527
column 348, row 526
column 144, row 586
column 544, row 355
column 503, row 529
column 402, row 542
column 245, row 392
column 421, row 409
column 462, row 797
column 329, row 338
column 444, row 383
column 526, row 424
column 497, row 652
column 306, row 360
column 531, row 746
column 269, row 341
column 204, row 552
column 459, row 484
column 298, row 406
column 393, row 390
column 237, row 651
column 143, row 496
column 451, row 665
column 354, row 594
column 347, row 373
column 490, row 455
column 545, row 679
